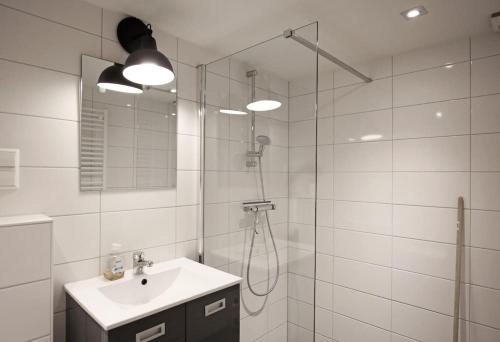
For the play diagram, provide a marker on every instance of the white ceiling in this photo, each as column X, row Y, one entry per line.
column 353, row 30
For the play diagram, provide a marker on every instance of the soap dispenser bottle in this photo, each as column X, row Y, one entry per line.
column 114, row 266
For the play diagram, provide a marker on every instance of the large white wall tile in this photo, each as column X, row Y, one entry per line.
column 431, row 188
column 76, row 237
column 51, row 94
column 370, row 187
column 377, row 69
column 485, row 74
column 485, row 188
column 362, row 276
column 484, row 268
column 138, row 199
column 423, row 291
column 443, row 54
column 485, row 45
column 361, row 306
column 367, row 217
column 432, row 119
column 28, row 249
column 67, row 44
column 432, row 258
column 137, row 229
column 302, row 107
column 421, row 324
column 78, row 14
column 485, row 156
column 358, row 127
column 485, row 306
column 432, row 85
column 481, row 333
column 485, row 115
column 432, row 154
column 53, row 191
column 371, row 248
column 363, row 97
column 485, row 231
column 186, row 223
column 58, row 139
column 25, row 311
column 351, row 330
column 427, row 223
column 368, row 157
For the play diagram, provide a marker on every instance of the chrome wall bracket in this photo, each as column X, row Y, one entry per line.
column 289, row 33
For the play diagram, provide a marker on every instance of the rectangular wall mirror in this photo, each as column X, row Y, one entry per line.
column 127, row 141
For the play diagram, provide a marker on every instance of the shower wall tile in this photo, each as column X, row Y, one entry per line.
column 432, row 85
column 481, row 333
column 484, row 112
column 347, row 329
column 485, row 76
column 428, row 223
column 423, row 291
column 363, row 307
column 485, row 188
column 359, row 127
column 484, row 263
column 369, row 187
column 363, row 157
column 485, row 156
column 485, row 45
column 362, row 276
column 431, row 258
column 421, row 324
column 432, row 119
column 485, row 306
column 363, row 97
column 431, row 188
column 367, row 217
column 302, row 107
column 485, row 232
column 371, row 248
column 444, row 54
column 380, row 68
column 432, row 154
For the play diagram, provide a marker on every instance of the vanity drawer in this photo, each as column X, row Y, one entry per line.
column 165, row 326
column 215, row 317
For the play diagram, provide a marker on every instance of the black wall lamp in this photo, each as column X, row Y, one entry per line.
column 145, row 64
column 112, row 78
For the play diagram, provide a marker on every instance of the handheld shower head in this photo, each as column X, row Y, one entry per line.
column 263, row 140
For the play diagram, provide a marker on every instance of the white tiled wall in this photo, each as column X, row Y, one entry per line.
column 39, row 103
column 405, row 146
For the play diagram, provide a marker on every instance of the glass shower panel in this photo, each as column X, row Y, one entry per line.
column 259, row 183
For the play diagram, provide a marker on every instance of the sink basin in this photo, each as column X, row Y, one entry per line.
column 142, row 289
column 165, row 285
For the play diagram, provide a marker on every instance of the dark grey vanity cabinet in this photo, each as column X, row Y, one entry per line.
column 215, row 317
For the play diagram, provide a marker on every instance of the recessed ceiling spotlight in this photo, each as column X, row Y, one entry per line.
column 414, row 12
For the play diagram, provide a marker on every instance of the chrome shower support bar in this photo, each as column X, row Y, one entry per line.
column 289, row 33
column 458, row 266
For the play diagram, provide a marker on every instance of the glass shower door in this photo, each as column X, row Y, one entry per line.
column 259, row 182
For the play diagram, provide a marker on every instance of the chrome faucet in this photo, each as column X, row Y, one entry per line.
column 140, row 262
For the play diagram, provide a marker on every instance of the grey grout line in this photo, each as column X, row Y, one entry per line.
column 25, row 283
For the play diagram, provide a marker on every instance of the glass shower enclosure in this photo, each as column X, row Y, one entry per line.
column 261, row 164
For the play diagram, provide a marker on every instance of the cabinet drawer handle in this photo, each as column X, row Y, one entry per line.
column 217, row 306
column 151, row 333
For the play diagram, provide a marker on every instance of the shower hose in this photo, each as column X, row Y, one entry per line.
column 254, row 232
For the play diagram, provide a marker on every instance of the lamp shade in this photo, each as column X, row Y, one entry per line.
column 112, row 78
column 146, row 65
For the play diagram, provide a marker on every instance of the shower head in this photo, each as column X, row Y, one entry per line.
column 263, row 140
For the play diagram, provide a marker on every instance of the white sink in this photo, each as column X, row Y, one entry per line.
column 165, row 285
